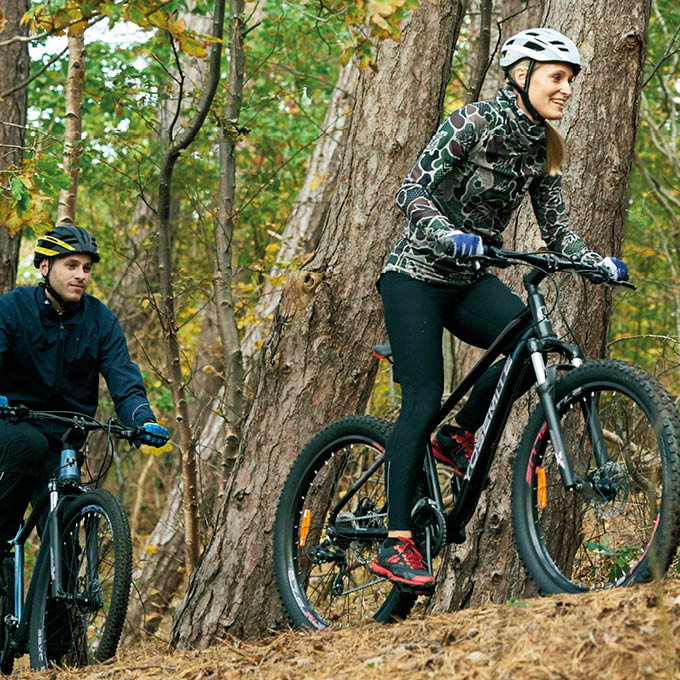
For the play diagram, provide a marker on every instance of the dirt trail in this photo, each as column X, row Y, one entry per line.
column 621, row 634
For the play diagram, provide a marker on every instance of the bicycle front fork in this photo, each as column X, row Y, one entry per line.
column 544, row 385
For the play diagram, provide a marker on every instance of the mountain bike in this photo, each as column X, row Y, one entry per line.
column 78, row 595
column 595, row 488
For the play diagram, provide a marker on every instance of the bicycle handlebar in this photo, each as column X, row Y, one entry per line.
column 548, row 262
column 73, row 420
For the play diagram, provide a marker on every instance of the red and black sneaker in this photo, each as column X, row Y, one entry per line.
column 453, row 446
column 399, row 561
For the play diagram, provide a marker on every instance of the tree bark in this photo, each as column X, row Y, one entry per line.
column 74, row 121
column 14, row 67
column 596, row 176
column 303, row 228
column 316, row 364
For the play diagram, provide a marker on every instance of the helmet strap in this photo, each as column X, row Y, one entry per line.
column 45, row 285
column 524, row 92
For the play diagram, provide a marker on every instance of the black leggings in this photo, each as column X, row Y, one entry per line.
column 416, row 313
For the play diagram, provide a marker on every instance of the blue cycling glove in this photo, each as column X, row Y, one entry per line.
column 462, row 246
column 3, row 404
column 154, row 435
column 616, row 268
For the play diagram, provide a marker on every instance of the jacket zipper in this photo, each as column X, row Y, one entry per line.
column 60, row 355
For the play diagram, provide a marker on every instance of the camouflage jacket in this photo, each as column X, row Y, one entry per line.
column 470, row 178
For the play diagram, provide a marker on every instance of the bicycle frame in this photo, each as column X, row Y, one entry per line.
column 535, row 338
column 56, row 495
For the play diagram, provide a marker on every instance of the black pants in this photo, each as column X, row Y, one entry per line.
column 415, row 315
column 26, row 461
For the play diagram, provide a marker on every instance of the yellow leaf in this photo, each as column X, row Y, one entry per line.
column 151, row 549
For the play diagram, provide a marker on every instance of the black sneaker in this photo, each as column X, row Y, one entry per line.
column 453, row 446
column 399, row 561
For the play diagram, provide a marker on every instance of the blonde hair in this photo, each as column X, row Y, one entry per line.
column 555, row 148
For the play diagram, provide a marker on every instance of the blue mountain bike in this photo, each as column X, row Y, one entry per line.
column 76, row 603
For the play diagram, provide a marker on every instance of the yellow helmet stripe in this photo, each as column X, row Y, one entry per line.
column 52, row 239
column 47, row 252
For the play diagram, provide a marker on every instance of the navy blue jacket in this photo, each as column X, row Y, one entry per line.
column 52, row 362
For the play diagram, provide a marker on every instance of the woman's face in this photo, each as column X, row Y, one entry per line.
column 549, row 88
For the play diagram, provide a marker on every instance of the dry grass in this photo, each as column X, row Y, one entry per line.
column 621, row 634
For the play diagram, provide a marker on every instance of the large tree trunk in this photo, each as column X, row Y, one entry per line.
column 486, row 567
column 316, row 364
column 14, row 66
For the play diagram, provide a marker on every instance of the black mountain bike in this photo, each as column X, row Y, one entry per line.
column 77, row 600
column 595, row 489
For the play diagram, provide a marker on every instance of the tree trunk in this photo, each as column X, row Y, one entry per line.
column 165, row 266
column 303, row 228
column 14, row 67
column 232, row 405
column 486, row 567
column 74, row 121
column 316, row 364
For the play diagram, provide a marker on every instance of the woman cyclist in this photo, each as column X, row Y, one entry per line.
column 459, row 196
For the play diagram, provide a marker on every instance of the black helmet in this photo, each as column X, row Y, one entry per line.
column 65, row 239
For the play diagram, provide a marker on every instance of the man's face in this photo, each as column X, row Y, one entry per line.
column 69, row 275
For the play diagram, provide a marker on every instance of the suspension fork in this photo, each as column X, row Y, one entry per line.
column 592, row 418
column 544, row 386
column 55, row 555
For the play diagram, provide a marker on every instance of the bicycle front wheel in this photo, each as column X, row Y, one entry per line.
column 337, row 481
column 84, row 626
column 619, row 523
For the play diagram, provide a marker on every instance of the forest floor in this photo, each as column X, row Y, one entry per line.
column 627, row 633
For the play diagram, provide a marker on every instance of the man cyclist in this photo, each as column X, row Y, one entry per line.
column 55, row 340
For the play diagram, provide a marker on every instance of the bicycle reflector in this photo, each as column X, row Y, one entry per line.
column 304, row 526
column 541, row 488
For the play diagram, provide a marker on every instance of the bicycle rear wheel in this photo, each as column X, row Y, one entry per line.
column 621, row 525
column 85, row 626
column 322, row 578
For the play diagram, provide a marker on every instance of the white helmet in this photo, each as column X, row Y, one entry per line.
column 540, row 44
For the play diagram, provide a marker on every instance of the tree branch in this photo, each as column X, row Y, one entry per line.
column 37, row 74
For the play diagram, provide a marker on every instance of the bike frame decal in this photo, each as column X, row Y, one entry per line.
column 489, row 417
column 532, row 457
column 304, row 527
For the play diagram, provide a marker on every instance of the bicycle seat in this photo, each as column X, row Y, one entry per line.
column 382, row 351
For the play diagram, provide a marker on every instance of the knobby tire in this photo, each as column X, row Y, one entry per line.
column 313, row 592
column 85, row 627
column 623, row 526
